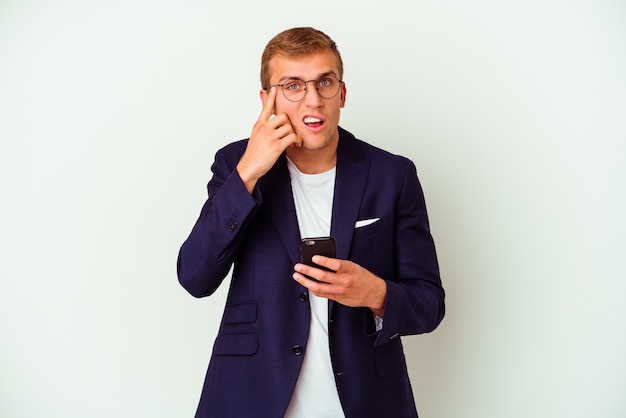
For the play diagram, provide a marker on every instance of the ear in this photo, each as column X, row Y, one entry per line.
column 344, row 91
column 263, row 94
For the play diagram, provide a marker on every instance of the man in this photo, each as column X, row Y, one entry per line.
column 325, row 345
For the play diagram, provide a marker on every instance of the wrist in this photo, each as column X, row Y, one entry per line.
column 379, row 298
column 248, row 180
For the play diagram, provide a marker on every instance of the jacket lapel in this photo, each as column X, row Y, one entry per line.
column 277, row 195
column 351, row 177
column 352, row 172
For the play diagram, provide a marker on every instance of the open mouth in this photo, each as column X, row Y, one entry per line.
column 313, row 122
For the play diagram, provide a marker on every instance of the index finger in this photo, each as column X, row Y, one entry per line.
column 313, row 273
column 268, row 108
column 332, row 264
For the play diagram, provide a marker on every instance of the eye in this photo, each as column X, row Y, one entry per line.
column 292, row 85
column 325, row 82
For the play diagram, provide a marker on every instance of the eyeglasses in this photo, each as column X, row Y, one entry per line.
column 294, row 90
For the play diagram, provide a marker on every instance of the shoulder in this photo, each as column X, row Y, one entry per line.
column 378, row 157
column 230, row 154
column 236, row 148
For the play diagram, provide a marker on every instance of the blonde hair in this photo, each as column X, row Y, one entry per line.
column 297, row 42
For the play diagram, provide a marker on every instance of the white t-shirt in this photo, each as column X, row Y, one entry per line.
column 315, row 395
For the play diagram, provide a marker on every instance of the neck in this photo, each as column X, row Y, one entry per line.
column 313, row 162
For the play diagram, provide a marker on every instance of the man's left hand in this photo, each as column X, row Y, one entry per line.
column 348, row 283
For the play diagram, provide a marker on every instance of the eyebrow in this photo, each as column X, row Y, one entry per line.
column 327, row 73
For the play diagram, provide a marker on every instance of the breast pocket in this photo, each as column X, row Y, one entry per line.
column 368, row 226
column 372, row 246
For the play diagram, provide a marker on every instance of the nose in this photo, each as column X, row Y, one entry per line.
column 311, row 96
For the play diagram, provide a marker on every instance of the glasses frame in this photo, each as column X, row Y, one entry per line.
column 306, row 83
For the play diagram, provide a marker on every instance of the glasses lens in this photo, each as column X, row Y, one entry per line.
column 294, row 90
column 328, row 87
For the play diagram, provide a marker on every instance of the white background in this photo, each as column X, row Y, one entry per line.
column 514, row 113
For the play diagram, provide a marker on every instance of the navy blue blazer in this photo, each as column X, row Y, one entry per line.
column 263, row 332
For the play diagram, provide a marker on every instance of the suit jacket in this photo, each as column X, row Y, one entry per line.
column 263, row 333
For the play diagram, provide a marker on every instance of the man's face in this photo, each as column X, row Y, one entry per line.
column 313, row 119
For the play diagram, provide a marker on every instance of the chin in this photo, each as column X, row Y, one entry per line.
column 316, row 141
column 315, row 144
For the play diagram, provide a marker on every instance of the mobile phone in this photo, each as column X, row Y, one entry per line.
column 309, row 247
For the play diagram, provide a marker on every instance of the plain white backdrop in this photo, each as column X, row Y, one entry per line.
column 513, row 111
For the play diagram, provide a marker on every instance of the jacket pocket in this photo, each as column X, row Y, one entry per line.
column 371, row 226
column 242, row 344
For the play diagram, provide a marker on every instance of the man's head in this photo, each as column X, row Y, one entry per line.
column 296, row 43
column 305, row 70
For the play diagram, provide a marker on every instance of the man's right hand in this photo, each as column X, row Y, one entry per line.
column 269, row 139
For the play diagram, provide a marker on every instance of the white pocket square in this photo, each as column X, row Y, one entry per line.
column 365, row 222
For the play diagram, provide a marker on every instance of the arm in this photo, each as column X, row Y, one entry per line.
column 207, row 255
column 415, row 299
column 411, row 298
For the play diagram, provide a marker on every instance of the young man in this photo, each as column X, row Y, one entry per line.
column 298, row 341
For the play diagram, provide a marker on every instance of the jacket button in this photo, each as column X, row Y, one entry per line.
column 232, row 226
column 304, row 296
column 296, row 350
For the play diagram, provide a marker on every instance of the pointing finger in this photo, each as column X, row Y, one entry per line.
column 268, row 108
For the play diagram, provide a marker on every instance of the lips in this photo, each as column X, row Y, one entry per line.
column 313, row 122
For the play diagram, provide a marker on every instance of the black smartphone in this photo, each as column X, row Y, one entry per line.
column 309, row 247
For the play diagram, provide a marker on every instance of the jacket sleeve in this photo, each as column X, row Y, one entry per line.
column 206, row 256
column 415, row 298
